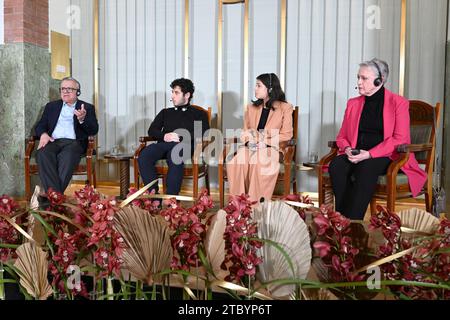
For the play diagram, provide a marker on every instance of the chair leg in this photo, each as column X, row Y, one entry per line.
column 294, row 186
column 207, row 182
column 94, row 179
column 428, row 201
column 28, row 187
column 164, row 185
column 221, row 186
column 287, row 180
column 373, row 206
column 195, row 183
column 391, row 201
column 320, row 188
column 136, row 173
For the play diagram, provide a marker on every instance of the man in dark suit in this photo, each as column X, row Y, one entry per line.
column 63, row 132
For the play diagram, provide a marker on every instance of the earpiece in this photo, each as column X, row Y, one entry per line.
column 378, row 81
column 78, row 92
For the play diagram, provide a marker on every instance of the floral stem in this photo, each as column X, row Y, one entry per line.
column 110, row 288
column 2, row 286
column 139, row 290
column 100, row 288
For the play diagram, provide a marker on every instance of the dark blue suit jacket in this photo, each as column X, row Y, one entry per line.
column 49, row 118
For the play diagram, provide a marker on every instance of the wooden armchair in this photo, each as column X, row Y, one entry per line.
column 287, row 172
column 86, row 166
column 195, row 169
column 424, row 119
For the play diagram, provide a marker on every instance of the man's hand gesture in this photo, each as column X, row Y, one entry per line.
column 81, row 114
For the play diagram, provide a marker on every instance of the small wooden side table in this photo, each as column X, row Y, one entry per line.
column 307, row 166
column 124, row 165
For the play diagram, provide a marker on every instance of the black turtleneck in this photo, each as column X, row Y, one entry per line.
column 263, row 119
column 181, row 117
column 370, row 132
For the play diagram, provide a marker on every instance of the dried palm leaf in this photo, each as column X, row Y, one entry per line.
column 280, row 223
column 417, row 220
column 215, row 243
column 149, row 250
column 33, row 265
column 35, row 228
column 34, row 202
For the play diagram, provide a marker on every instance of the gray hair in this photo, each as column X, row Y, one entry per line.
column 72, row 79
column 378, row 66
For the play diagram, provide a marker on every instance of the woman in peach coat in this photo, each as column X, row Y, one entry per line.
column 267, row 122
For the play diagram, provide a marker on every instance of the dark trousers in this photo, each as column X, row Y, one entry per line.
column 57, row 161
column 157, row 151
column 354, row 184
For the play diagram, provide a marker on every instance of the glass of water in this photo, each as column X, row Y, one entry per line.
column 313, row 157
column 115, row 150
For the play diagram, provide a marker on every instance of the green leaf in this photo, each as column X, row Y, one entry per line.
column 44, row 223
column 9, row 246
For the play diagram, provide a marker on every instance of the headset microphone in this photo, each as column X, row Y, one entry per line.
column 270, row 83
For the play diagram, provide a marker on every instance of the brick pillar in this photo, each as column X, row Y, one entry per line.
column 24, row 84
column 26, row 21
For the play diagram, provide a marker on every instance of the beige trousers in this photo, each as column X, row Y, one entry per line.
column 253, row 172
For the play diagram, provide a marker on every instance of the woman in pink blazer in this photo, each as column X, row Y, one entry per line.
column 374, row 124
column 267, row 122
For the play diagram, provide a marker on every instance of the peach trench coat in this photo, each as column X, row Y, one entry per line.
column 255, row 172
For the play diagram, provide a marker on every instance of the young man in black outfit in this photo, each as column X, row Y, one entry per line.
column 176, row 130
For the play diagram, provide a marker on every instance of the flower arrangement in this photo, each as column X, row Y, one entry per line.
column 81, row 231
column 302, row 199
column 188, row 230
column 8, row 234
column 241, row 241
column 425, row 260
column 152, row 206
column 334, row 245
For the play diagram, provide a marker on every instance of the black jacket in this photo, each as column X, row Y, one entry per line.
column 49, row 119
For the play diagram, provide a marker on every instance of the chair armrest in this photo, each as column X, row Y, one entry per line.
column 231, row 140
column 403, row 148
column 90, row 147
column 332, row 145
column 142, row 144
column 287, row 154
column 30, row 144
column 147, row 139
column 284, row 144
column 227, row 142
column 197, row 155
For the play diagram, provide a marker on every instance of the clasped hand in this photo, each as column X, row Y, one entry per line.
column 363, row 155
column 171, row 137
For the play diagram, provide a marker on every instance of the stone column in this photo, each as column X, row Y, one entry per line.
column 24, row 84
column 446, row 130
